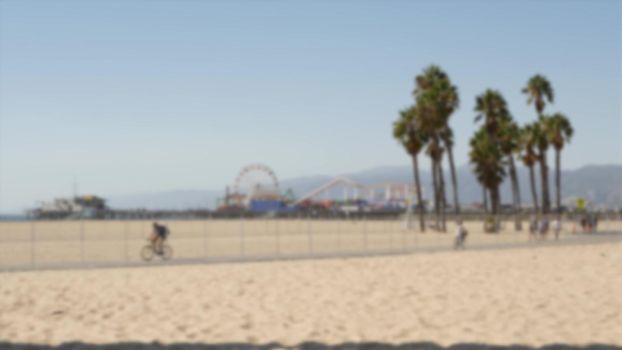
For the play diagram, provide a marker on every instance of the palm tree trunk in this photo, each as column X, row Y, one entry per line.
column 493, row 206
column 454, row 180
column 419, row 196
column 544, row 174
column 558, row 182
column 498, row 201
column 436, row 192
column 515, row 193
column 443, row 196
column 534, row 193
column 495, row 201
column 485, row 199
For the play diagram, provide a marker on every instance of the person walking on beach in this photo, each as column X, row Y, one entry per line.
column 557, row 227
column 461, row 234
column 544, row 228
column 533, row 228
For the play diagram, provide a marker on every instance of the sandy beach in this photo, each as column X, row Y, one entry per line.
column 532, row 296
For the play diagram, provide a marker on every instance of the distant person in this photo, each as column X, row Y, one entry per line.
column 533, row 227
column 589, row 224
column 461, row 234
column 544, row 227
column 557, row 227
column 158, row 236
column 583, row 224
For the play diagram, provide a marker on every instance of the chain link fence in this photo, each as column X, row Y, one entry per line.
column 64, row 243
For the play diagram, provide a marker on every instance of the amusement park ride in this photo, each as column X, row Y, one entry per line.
column 256, row 189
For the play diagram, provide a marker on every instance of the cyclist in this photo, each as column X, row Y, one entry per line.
column 158, row 236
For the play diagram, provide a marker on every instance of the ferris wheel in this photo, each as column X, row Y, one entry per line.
column 256, row 178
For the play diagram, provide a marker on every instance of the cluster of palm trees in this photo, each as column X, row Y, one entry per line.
column 425, row 127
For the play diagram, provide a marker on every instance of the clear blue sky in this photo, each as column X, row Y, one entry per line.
column 143, row 96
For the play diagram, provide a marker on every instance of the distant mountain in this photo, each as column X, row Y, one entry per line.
column 600, row 184
column 181, row 199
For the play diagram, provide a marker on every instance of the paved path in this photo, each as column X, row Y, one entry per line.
column 578, row 239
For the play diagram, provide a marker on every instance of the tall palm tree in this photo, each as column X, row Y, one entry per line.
column 435, row 151
column 528, row 141
column 539, row 91
column 435, row 90
column 488, row 166
column 542, row 146
column 509, row 141
column 558, row 130
column 492, row 109
column 427, row 121
column 413, row 142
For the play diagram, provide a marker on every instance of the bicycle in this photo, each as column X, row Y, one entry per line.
column 149, row 252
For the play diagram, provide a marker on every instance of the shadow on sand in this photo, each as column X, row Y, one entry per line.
column 302, row 346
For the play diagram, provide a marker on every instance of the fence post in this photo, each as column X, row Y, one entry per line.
column 82, row 240
column 310, row 235
column 242, row 248
column 365, row 238
column 125, row 240
column 389, row 231
column 415, row 234
column 33, row 242
column 339, row 234
column 278, row 237
column 403, row 234
column 205, row 247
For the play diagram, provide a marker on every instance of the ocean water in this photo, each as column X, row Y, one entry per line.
column 12, row 217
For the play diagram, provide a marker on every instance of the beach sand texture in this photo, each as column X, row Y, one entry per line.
column 42, row 243
column 530, row 296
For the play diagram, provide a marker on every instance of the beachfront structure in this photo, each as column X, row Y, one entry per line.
column 78, row 207
column 385, row 195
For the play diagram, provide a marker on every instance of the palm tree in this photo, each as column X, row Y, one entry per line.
column 528, row 140
column 427, row 121
column 492, row 109
column 487, row 161
column 558, row 131
column 435, row 90
column 435, row 151
column 539, row 90
column 542, row 146
column 413, row 141
column 509, row 137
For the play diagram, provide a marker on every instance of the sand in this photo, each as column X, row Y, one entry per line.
column 531, row 296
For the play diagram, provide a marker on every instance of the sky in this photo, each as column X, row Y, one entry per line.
column 128, row 97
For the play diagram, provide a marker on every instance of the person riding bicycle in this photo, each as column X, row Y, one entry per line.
column 158, row 236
